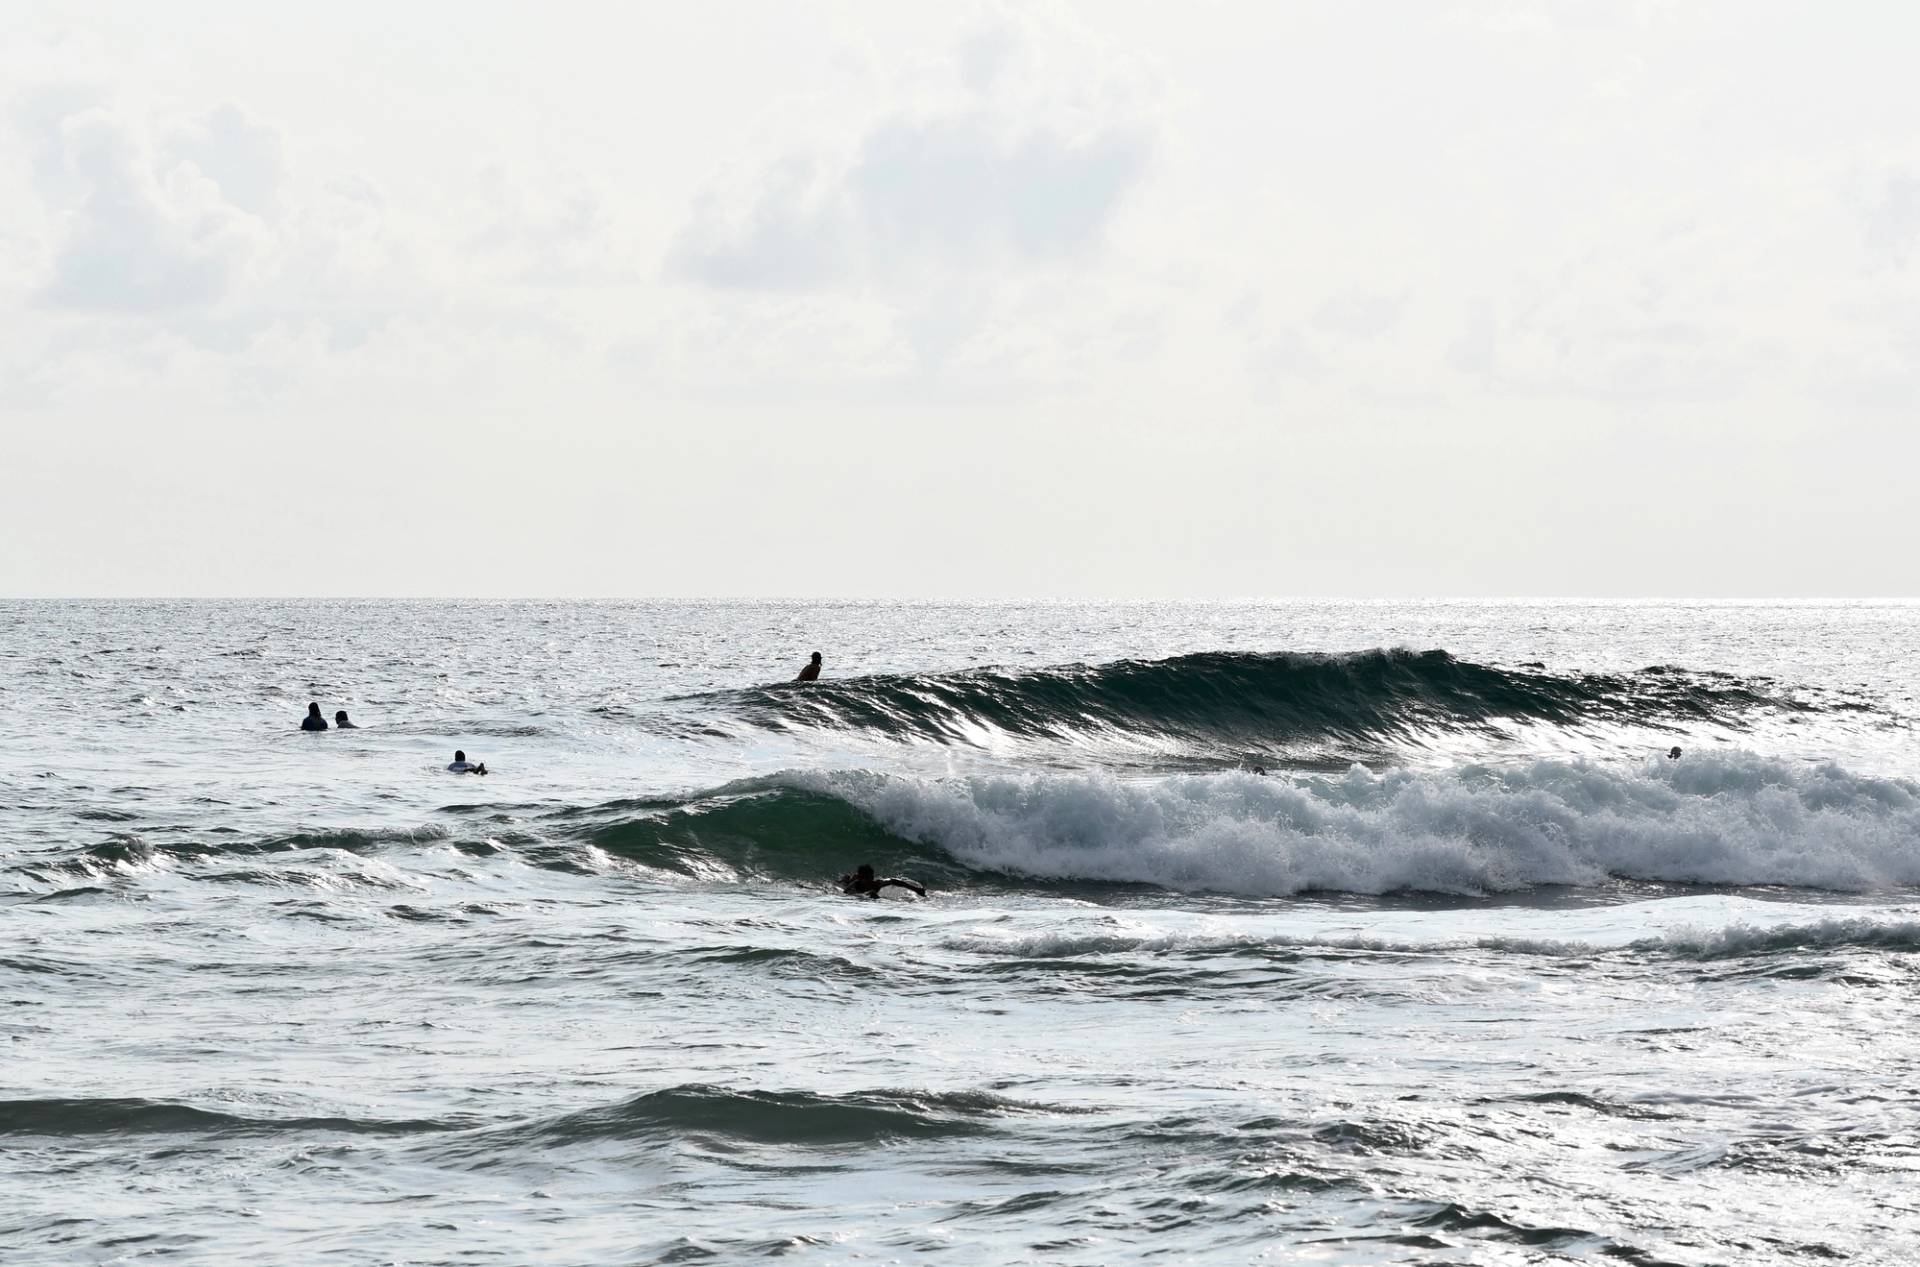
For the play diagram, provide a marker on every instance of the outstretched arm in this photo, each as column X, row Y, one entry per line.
column 904, row 884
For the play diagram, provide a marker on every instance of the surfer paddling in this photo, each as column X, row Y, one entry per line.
column 863, row 883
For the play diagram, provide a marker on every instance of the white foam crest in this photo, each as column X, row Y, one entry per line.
column 1736, row 941
column 1603, row 931
column 1840, row 932
column 1727, row 819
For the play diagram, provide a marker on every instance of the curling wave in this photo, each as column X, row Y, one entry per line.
column 1229, row 702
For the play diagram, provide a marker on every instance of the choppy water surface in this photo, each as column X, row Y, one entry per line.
column 1356, row 933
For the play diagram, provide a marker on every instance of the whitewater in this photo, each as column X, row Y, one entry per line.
column 1292, row 931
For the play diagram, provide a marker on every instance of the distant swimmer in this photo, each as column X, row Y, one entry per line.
column 812, row 672
column 461, row 765
column 862, row 883
column 1674, row 755
column 313, row 720
column 340, row 721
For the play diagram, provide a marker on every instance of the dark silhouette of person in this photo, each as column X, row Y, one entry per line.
column 812, row 672
column 863, row 883
column 1674, row 755
column 313, row 720
column 340, row 721
column 460, row 764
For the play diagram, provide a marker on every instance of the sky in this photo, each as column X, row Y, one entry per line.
column 846, row 299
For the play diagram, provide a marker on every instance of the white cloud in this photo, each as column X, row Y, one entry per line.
column 243, row 156
column 959, row 190
column 146, row 233
column 794, row 229
column 1893, row 215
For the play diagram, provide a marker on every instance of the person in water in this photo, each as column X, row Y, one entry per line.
column 340, row 721
column 863, row 883
column 461, row 765
column 1674, row 755
column 812, row 672
column 313, row 720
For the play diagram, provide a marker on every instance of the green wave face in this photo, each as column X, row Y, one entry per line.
column 766, row 830
column 1217, row 702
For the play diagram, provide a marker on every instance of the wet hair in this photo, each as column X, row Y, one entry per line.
column 313, row 709
column 1674, row 755
column 459, row 755
column 816, row 655
column 341, row 715
column 864, row 870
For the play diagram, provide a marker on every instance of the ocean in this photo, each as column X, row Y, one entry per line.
column 1292, row 931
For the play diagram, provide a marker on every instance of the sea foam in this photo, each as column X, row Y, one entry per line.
column 1722, row 819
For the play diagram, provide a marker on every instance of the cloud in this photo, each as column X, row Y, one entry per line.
column 938, row 214
column 794, row 231
column 241, row 155
column 960, row 190
column 147, row 233
column 1003, row 167
column 1893, row 218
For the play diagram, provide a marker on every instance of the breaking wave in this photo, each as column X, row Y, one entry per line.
column 1723, row 818
column 1732, row 819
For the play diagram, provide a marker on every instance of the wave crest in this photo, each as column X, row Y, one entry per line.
column 1238, row 703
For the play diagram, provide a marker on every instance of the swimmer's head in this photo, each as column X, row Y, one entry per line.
column 864, row 871
column 341, row 715
column 459, row 755
column 313, row 710
column 816, row 657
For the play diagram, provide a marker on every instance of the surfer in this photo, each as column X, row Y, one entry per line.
column 340, row 721
column 812, row 672
column 313, row 720
column 863, row 883
column 461, row 765
column 1674, row 755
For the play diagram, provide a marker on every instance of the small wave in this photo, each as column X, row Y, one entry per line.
column 134, row 1116
column 1246, row 703
column 773, row 1117
column 351, row 840
column 1735, row 941
column 1739, row 941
